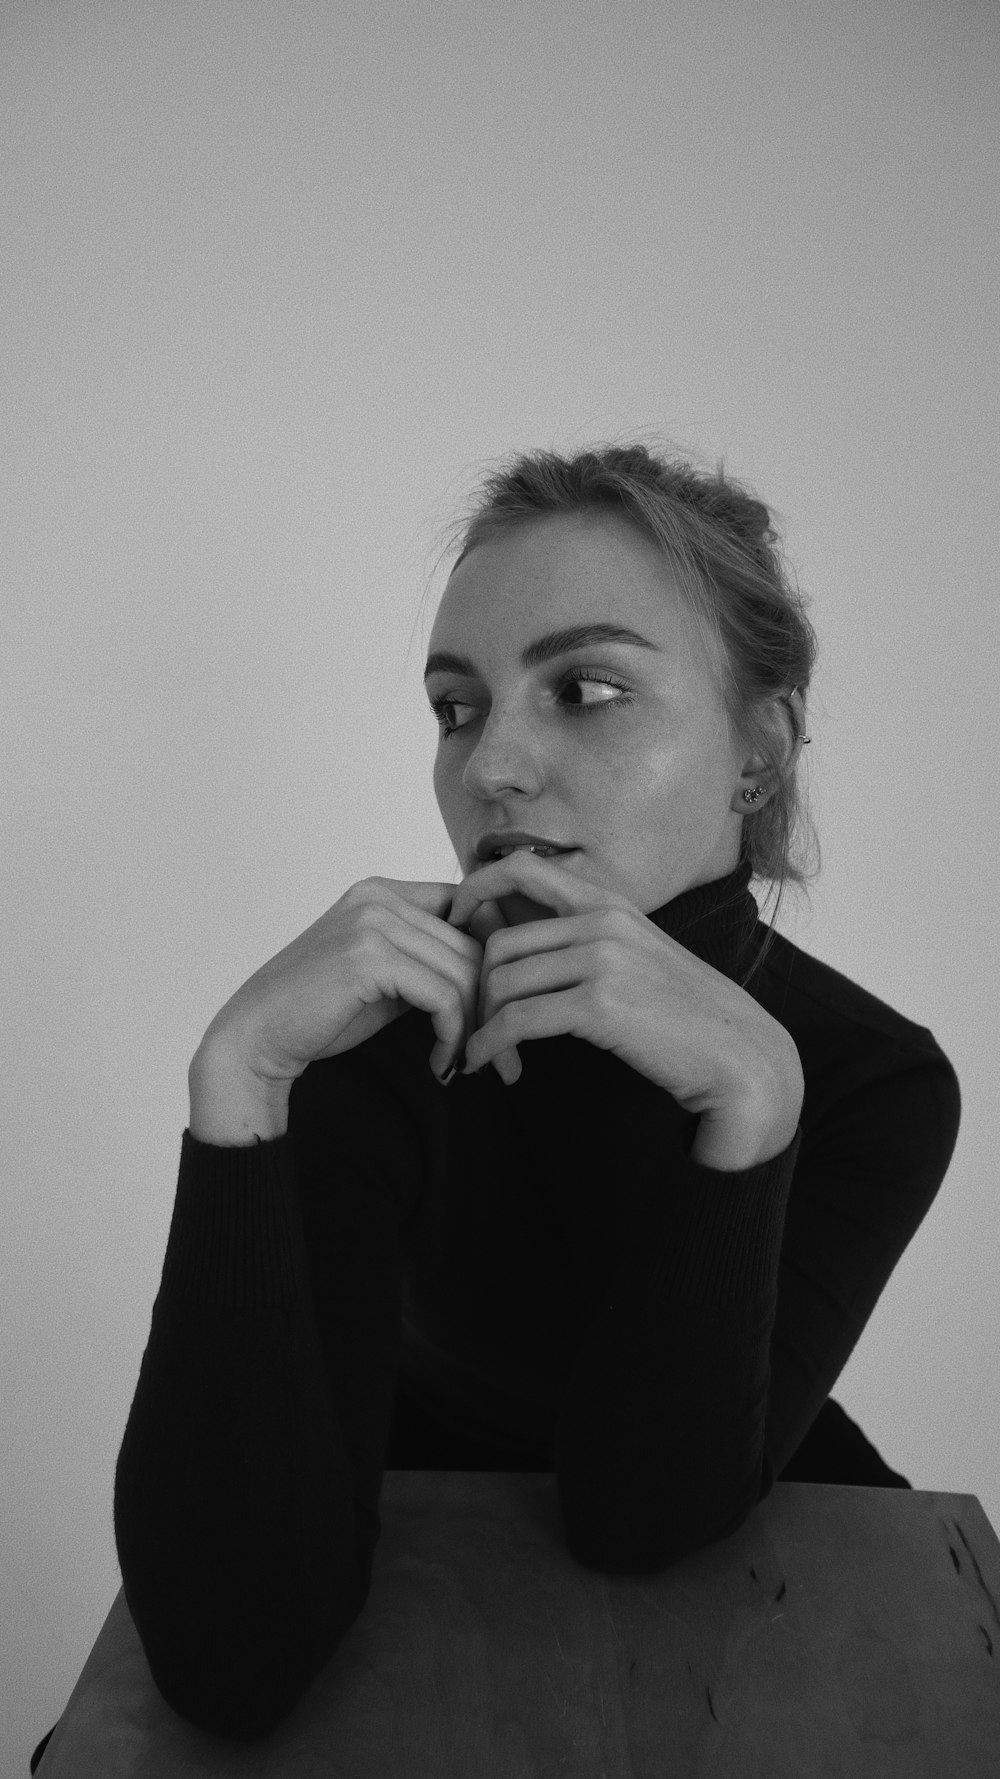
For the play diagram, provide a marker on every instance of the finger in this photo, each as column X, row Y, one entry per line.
column 486, row 919
column 536, row 1015
column 465, row 958
column 425, row 909
column 544, row 880
column 441, row 983
column 526, row 980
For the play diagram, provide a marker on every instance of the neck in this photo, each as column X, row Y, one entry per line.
column 716, row 921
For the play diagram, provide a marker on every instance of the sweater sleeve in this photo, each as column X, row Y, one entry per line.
column 659, row 1439
column 246, row 1489
column 734, row 1308
column 867, row 1177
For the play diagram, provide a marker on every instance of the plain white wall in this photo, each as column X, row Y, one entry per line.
column 278, row 280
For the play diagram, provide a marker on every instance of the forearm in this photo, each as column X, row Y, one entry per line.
column 659, row 1440
column 237, row 1542
column 235, row 1506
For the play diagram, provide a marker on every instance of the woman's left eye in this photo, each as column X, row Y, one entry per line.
column 440, row 705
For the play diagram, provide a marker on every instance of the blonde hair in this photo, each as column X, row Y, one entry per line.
column 723, row 547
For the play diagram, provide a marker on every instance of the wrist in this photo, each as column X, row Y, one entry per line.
column 230, row 1105
column 748, row 1133
column 733, row 1146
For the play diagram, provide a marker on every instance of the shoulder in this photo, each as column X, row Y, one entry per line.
column 805, row 993
column 857, row 1048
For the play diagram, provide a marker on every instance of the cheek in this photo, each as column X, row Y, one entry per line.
column 660, row 795
column 678, row 763
column 640, row 775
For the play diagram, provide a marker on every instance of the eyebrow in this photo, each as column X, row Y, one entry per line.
column 544, row 648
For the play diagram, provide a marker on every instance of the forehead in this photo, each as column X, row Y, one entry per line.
column 561, row 569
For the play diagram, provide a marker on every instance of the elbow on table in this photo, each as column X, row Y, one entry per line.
column 635, row 1550
column 234, row 1713
column 654, row 1558
column 245, row 1685
column 238, row 1703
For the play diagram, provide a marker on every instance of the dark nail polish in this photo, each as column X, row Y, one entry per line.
column 444, row 1079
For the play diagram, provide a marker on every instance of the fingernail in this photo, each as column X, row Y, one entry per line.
column 444, row 1079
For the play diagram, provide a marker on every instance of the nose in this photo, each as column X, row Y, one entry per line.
column 503, row 757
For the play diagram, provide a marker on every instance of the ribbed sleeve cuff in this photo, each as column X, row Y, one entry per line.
column 235, row 1239
column 714, row 1237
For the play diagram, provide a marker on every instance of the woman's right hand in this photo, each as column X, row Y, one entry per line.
column 385, row 947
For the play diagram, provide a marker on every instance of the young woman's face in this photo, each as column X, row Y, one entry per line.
column 613, row 748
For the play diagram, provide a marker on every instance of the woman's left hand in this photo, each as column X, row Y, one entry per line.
column 603, row 971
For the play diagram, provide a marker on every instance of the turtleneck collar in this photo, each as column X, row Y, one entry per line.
column 716, row 921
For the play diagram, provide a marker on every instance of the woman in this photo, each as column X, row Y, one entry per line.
column 637, row 1238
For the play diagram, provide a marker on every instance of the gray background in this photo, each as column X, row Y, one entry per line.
column 279, row 281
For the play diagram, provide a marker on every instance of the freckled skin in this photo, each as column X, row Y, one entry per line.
column 652, row 792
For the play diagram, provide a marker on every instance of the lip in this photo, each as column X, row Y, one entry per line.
column 487, row 845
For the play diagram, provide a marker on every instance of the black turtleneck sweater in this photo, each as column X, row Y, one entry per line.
column 545, row 1266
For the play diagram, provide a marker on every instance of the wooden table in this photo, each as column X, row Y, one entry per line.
column 842, row 1633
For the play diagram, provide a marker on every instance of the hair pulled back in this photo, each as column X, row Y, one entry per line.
column 724, row 549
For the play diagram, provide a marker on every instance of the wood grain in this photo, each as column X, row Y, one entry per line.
column 841, row 1633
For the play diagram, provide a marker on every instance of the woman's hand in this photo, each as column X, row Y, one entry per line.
column 383, row 948
column 603, row 971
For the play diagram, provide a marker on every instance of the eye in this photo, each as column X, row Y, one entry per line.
column 573, row 677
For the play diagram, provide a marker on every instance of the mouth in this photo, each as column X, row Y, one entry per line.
column 543, row 852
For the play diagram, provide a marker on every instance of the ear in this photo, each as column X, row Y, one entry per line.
column 784, row 726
